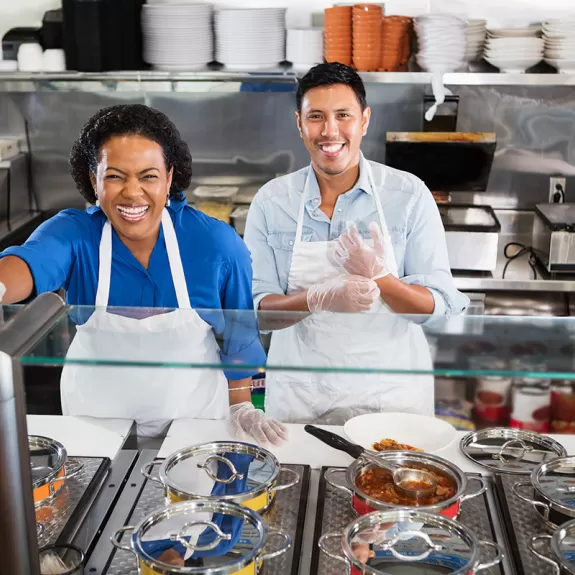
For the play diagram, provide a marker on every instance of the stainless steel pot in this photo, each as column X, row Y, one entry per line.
column 225, row 537
column 562, row 544
column 244, row 473
column 363, row 503
column 553, row 487
column 376, row 543
column 50, row 467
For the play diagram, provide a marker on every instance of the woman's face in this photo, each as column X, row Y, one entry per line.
column 132, row 185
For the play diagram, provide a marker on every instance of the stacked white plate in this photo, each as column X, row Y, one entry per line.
column 442, row 42
column 475, row 32
column 177, row 36
column 304, row 47
column 559, row 37
column 529, row 32
column 250, row 38
column 514, row 55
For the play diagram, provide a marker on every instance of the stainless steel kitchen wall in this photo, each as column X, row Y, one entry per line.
column 252, row 136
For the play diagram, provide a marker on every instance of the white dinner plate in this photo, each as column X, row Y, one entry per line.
column 421, row 431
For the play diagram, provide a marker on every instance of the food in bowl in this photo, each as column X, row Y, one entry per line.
column 377, row 483
column 392, row 445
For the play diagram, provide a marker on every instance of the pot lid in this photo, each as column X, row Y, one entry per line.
column 197, row 536
column 556, row 481
column 389, row 542
column 222, row 469
column 47, row 457
column 513, row 451
column 563, row 545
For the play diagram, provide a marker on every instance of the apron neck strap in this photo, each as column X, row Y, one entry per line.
column 174, row 259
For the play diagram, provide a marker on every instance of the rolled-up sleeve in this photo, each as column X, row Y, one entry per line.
column 241, row 342
column 266, row 279
column 426, row 261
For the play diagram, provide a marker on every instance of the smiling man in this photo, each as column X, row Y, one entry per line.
column 347, row 235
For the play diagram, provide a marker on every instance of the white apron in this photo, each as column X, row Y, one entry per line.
column 379, row 339
column 151, row 396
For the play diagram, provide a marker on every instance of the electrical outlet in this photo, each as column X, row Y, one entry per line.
column 557, row 191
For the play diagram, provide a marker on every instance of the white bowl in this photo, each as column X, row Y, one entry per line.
column 513, row 66
column 427, row 433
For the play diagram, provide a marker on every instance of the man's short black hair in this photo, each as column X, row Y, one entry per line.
column 328, row 75
column 129, row 120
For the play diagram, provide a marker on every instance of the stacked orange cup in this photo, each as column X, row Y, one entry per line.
column 367, row 21
column 337, row 35
column 396, row 37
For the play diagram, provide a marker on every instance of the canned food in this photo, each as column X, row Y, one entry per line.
column 531, row 406
column 563, row 407
column 493, row 398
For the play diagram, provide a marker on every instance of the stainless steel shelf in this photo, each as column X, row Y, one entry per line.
column 208, row 80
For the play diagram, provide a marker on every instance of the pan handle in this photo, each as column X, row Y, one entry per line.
column 483, row 482
column 330, row 481
column 499, row 554
column 322, row 545
column 531, row 547
column 147, row 471
column 115, row 539
column 335, row 441
column 517, row 486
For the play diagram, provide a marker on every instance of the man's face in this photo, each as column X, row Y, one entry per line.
column 332, row 125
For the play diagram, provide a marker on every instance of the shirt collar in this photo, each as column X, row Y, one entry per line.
column 363, row 184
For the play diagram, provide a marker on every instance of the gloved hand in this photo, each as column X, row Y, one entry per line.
column 357, row 257
column 246, row 419
column 343, row 294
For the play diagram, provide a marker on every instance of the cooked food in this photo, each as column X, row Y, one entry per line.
column 378, row 484
column 392, row 445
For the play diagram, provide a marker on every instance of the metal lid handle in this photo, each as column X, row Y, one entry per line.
column 405, row 535
column 181, row 536
column 523, row 449
column 206, row 466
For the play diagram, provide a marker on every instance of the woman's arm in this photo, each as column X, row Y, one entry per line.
column 16, row 277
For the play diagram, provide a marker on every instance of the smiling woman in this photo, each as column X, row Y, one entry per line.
column 135, row 247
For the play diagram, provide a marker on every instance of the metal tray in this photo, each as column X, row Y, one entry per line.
column 521, row 523
column 62, row 515
column 334, row 512
column 287, row 513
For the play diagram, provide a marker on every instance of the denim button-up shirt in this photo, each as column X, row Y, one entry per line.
column 410, row 211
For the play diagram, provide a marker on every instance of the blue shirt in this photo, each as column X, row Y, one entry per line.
column 64, row 253
column 411, row 215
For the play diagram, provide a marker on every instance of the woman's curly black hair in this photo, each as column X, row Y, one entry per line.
column 122, row 120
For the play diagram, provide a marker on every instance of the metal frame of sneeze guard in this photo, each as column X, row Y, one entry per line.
column 17, row 519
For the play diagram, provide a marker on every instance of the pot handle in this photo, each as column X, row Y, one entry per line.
column 517, row 486
column 531, row 547
column 72, row 467
column 291, row 483
column 331, row 482
column 147, row 471
column 285, row 545
column 499, row 554
column 323, row 547
column 115, row 540
column 477, row 493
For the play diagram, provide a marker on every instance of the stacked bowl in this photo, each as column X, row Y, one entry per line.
column 250, row 38
column 396, row 37
column 476, row 32
column 442, row 42
column 366, row 36
column 559, row 38
column 177, row 36
column 337, row 34
column 304, row 47
column 514, row 54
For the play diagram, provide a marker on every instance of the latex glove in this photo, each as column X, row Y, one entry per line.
column 343, row 294
column 246, row 419
column 357, row 257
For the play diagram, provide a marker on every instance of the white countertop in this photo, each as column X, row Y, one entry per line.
column 302, row 448
column 82, row 436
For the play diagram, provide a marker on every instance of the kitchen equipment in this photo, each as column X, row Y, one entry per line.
column 250, row 473
column 363, row 503
column 562, row 544
column 53, row 30
column 553, row 485
column 15, row 191
column 449, row 163
column 420, row 431
column 50, row 467
column 229, row 538
column 215, row 201
column 14, row 37
column 513, row 451
column 553, row 237
column 402, row 476
column 30, row 57
column 61, row 559
column 383, row 541
column 239, row 217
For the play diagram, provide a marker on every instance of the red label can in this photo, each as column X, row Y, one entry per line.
column 531, row 406
column 563, row 407
column 493, row 398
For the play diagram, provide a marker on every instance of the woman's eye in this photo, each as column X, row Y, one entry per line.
column 112, row 177
column 150, row 177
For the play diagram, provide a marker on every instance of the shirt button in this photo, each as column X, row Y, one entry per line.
column 340, row 210
column 291, row 243
column 316, row 201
